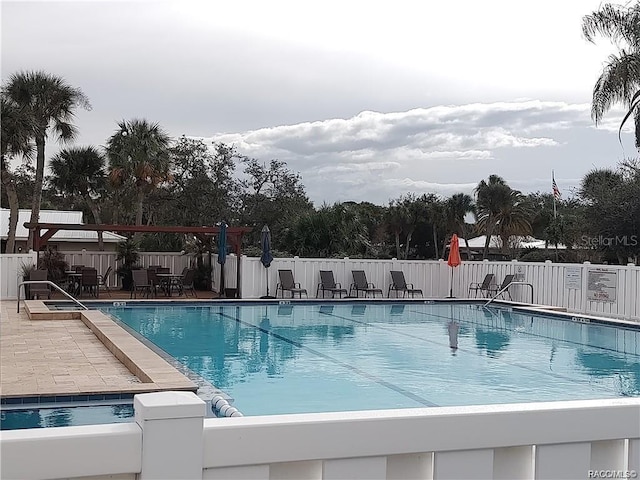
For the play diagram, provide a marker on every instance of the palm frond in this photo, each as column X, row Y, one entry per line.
column 634, row 105
column 618, row 82
column 615, row 22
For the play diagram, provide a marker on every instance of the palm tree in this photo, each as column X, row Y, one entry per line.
column 436, row 214
column 513, row 218
column 597, row 184
column 139, row 157
column 49, row 102
column 619, row 81
column 394, row 221
column 491, row 197
column 456, row 208
column 16, row 141
column 80, row 173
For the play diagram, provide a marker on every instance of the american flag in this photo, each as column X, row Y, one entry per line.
column 556, row 190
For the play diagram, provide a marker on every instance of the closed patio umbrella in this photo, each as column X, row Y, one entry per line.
column 222, row 253
column 266, row 258
column 454, row 259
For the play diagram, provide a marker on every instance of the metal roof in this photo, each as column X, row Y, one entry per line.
column 55, row 216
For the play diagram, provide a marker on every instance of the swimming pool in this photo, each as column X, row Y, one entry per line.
column 319, row 357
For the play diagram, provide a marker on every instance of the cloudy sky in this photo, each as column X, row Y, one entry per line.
column 367, row 100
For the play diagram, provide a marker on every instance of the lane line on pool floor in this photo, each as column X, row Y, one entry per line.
column 558, row 376
column 362, row 373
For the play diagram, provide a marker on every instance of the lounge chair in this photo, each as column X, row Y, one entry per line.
column 288, row 284
column 399, row 284
column 328, row 284
column 484, row 287
column 494, row 290
column 360, row 284
column 39, row 290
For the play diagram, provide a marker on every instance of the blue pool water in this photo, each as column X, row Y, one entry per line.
column 64, row 415
column 335, row 357
column 319, row 357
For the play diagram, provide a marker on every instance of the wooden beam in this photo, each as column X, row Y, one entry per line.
column 137, row 228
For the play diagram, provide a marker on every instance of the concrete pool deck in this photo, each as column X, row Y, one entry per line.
column 77, row 353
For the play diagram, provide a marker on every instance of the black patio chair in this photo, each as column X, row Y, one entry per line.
column 399, row 284
column 288, row 284
column 186, row 283
column 103, row 280
column 360, row 284
column 328, row 284
column 39, row 290
column 140, row 283
column 483, row 287
column 506, row 283
column 89, row 282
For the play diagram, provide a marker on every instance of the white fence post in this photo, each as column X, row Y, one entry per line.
column 585, row 286
column 172, row 425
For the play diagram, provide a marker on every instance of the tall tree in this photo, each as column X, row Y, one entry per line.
column 273, row 195
column 138, row 154
column 513, row 219
column 491, row 197
column 457, row 207
column 612, row 210
column 436, row 213
column 204, row 189
column 620, row 77
column 50, row 102
column 80, row 173
column 394, row 220
column 17, row 131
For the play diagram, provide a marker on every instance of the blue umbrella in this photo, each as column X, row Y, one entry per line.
column 266, row 258
column 265, row 243
column 222, row 253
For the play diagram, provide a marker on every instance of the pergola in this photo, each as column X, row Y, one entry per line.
column 234, row 234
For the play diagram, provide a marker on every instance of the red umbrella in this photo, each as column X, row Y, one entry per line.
column 454, row 258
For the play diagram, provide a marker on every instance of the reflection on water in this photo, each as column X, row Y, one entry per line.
column 609, row 364
column 323, row 357
column 65, row 416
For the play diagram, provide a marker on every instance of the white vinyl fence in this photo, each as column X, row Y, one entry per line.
column 11, row 265
column 569, row 286
column 170, row 438
column 606, row 290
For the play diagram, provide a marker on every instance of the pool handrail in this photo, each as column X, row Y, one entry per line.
column 502, row 290
column 50, row 283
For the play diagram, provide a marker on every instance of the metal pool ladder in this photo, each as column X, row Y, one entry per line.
column 507, row 288
column 47, row 282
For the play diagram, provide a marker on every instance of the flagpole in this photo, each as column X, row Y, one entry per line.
column 553, row 180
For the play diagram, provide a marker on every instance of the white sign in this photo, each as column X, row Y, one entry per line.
column 601, row 285
column 573, row 278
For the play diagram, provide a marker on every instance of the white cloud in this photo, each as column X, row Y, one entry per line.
column 383, row 155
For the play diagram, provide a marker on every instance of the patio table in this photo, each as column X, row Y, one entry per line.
column 167, row 280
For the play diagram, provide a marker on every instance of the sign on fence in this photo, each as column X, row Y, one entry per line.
column 602, row 284
column 573, row 278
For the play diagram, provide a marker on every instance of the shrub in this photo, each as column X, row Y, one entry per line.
column 54, row 262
